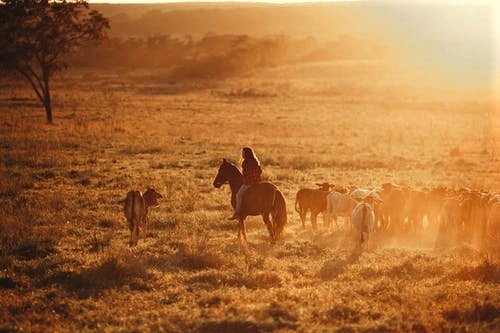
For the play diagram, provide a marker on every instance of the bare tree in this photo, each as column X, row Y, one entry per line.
column 36, row 35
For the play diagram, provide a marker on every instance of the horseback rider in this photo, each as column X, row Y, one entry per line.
column 251, row 175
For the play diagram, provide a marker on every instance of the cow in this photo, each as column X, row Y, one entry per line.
column 415, row 208
column 473, row 214
column 313, row 200
column 338, row 204
column 435, row 199
column 360, row 194
column 363, row 220
column 136, row 210
column 494, row 198
column 392, row 206
column 491, row 238
column 451, row 215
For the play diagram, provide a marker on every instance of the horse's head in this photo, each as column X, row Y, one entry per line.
column 226, row 172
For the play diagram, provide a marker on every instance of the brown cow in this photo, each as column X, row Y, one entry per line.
column 491, row 239
column 392, row 206
column 414, row 208
column 136, row 210
column 313, row 200
column 473, row 214
column 451, row 215
column 435, row 199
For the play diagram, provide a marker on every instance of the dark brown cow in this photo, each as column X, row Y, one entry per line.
column 136, row 211
column 392, row 206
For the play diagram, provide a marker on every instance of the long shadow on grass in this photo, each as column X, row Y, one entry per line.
column 112, row 273
column 117, row 271
column 334, row 267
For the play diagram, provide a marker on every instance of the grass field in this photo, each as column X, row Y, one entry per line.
column 65, row 263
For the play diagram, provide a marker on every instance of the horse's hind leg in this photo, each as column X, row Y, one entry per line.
column 269, row 225
column 243, row 230
column 134, row 235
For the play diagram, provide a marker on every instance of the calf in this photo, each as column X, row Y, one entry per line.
column 136, row 210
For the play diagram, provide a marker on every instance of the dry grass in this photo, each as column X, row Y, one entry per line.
column 64, row 260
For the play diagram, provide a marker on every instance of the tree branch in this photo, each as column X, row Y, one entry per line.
column 33, row 84
column 35, row 75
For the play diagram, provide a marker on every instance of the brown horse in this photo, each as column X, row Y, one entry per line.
column 262, row 199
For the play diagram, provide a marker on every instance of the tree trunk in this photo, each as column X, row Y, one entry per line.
column 48, row 109
column 46, row 94
column 48, row 112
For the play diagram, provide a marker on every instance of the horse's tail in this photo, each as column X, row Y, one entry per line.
column 278, row 214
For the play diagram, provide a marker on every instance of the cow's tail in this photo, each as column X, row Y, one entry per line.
column 364, row 224
column 278, row 213
column 133, row 222
column 329, row 211
column 297, row 203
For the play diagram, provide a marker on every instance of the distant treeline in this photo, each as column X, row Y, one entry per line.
column 222, row 55
column 254, row 19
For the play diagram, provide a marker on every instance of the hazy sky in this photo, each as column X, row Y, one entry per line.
column 301, row 1
column 164, row 1
column 469, row 44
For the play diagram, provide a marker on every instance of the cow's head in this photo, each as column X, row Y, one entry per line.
column 151, row 197
column 324, row 186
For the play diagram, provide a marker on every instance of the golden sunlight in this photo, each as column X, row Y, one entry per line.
column 265, row 166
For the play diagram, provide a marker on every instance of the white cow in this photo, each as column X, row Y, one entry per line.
column 494, row 199
column 360, row 194
column 338, row 204
column 363, row 220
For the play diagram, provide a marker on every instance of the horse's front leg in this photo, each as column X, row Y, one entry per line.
column 144, row 226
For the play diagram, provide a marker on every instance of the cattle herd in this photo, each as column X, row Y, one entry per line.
column 462, row 214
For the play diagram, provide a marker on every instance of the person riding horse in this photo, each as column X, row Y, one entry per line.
column 251, row 176
column 259, row 198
